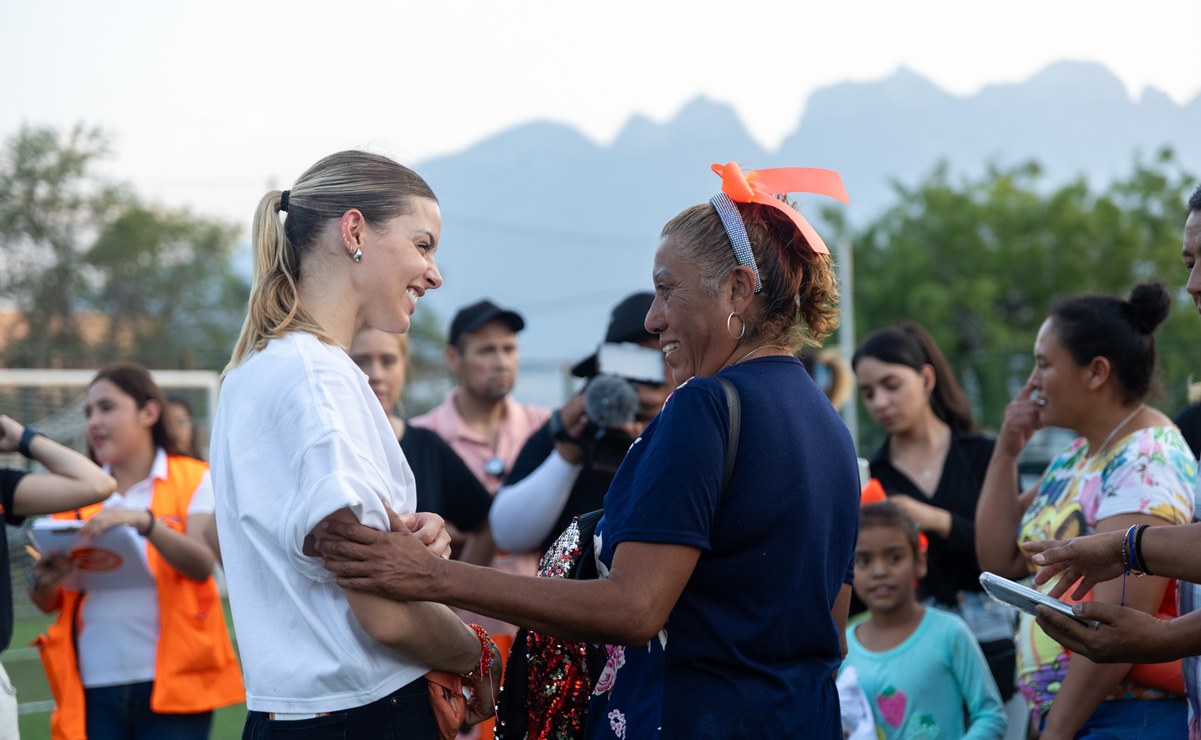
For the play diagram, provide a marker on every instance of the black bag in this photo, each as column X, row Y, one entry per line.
column 548, row 682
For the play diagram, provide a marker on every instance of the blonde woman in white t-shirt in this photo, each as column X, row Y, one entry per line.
column 299, row 438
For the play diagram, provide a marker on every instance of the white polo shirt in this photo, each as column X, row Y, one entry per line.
column 298, row 435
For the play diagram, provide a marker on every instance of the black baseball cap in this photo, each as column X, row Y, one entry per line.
column 474, row 315
column 627, row 323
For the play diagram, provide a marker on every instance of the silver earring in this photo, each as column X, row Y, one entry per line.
column 358, row 255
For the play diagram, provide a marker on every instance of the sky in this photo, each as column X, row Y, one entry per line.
column 209, row 104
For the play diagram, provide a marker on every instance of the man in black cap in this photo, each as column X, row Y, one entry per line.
column 481, row 422
column 478, row 418
column 558, row 474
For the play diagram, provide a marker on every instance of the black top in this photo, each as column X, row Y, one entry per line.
column 587, row 494
column 9, row 477
column 1189, row 422
column 445, row 485
column 952, row 565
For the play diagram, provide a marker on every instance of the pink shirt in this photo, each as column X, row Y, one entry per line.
column 520, row 421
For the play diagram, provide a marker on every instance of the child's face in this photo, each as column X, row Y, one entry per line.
column 886, row 570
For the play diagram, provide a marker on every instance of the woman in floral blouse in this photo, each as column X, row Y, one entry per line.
column 1094, row 362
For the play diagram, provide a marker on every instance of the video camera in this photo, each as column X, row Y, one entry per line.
column 611, row 399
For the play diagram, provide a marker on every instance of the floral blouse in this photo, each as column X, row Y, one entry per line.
column 1150, row 471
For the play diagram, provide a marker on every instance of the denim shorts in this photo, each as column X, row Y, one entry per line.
column 1161, row 719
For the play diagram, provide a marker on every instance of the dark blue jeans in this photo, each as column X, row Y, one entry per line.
column 403, row 714
column 123, row 713
column 1162, row 719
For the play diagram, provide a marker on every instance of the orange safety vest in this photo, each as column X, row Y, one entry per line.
column 195, row 668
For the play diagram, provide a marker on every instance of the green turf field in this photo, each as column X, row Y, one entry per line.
column 25, row 670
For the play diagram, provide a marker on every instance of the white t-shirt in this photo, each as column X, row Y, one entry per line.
column 119, row 635
column 298, row 435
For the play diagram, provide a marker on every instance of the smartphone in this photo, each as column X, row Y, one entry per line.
column 1024, row 599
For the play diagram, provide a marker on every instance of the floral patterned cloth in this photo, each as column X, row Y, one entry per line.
column 1150, row 471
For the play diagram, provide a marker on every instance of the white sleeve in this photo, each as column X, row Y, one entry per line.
column 522, row 514
column 333, row 476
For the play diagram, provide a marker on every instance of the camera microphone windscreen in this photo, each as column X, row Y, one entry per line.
column 610, row 401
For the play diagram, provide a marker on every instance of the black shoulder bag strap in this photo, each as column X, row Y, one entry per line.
column 735, row 407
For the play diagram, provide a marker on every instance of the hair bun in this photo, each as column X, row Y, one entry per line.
column 1149, row 306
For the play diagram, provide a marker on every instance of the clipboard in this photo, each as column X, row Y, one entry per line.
column 111, row 561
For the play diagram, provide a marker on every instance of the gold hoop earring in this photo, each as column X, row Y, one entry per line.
column 730, row 331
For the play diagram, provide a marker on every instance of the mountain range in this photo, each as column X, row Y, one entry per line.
column 547, row 221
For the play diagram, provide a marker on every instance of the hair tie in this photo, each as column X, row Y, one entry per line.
column 283, row 200
column 760, row 186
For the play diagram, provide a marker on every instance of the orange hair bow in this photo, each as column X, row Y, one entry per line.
column 758, row 186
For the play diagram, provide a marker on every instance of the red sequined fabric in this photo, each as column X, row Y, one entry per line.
column 559, row 686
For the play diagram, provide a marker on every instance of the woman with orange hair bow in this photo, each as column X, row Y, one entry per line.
column 724, row 566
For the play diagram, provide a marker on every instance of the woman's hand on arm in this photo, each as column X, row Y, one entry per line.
column 424, row 632
column 73, row 481
column 999, row 510
column 628, row 607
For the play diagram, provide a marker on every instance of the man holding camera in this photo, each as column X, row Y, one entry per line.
column 566, row 467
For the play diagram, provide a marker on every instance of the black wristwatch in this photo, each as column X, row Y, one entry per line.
column 558, row 432
column 26, row 438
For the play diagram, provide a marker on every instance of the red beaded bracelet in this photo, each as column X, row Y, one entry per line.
column 486, row 648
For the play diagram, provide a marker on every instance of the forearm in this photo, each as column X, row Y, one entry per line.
column 1180, row 638
column 66, row 462
column 568, row 609
column 1171, row 552
column 74, row 481
column 998, row 517
column 1083, row 689
column 426, row 633
column 190, row 556
column 524, row 513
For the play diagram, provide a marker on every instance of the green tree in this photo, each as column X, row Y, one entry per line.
column 50, row 207
column 979, row 261
column 75, row 244
column 168, row 285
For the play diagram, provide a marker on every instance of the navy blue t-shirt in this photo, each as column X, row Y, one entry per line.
column 750, row 647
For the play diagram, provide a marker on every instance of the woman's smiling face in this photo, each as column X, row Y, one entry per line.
column 689, row 319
